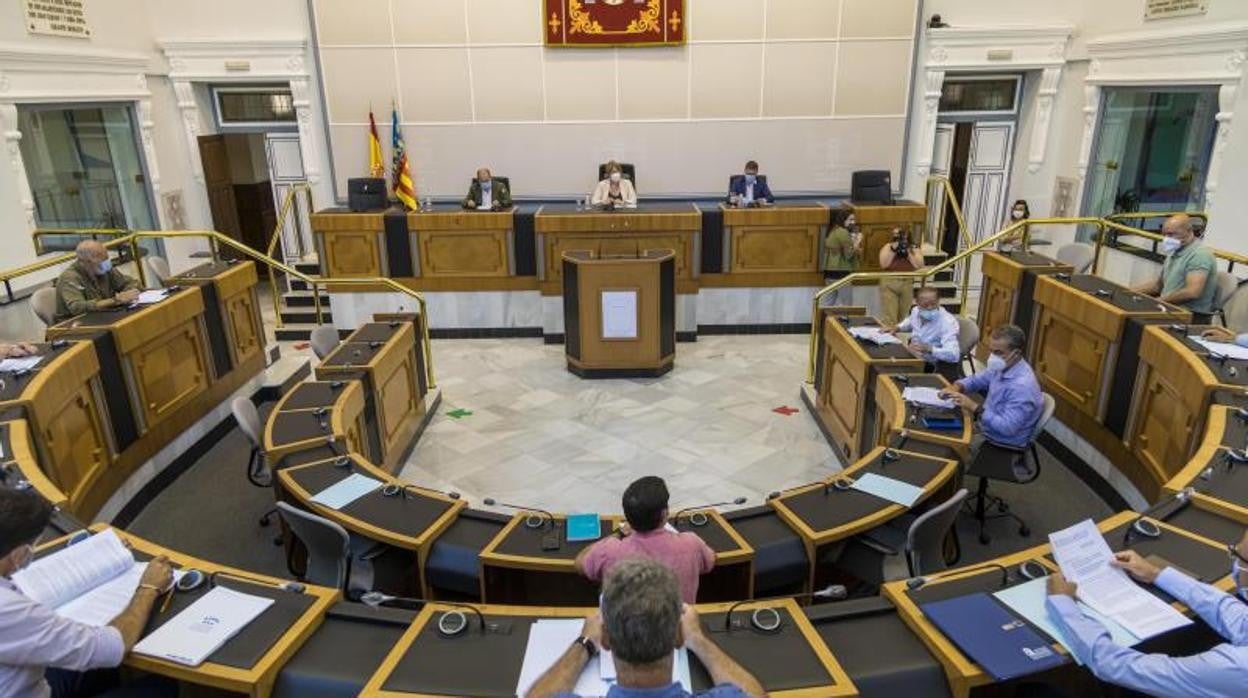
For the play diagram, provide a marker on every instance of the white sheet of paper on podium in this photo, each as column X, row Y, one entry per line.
column 619, row 315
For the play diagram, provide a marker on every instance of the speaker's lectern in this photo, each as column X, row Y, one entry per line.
column 619, row 313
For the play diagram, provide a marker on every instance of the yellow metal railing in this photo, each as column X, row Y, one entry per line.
column 289, row 203
column 38, row 235
column 965, row 238
column 1110, row 223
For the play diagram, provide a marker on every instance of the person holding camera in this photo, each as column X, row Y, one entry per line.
column 897, row 294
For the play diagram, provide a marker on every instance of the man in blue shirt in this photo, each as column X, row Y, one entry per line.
column 933, row 334
column 641, row 621
column 1009, row 414
column 1220, row 671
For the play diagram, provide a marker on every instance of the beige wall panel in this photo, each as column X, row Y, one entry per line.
column 872, row 77
column 351, row 149
column 427, row 21
column 725, row 19
column 799, row 79
column 580, row 84
column 726, row 80
column 358, row 77
column 805, row 19
column 351, row 22
column 502, row 21
column 507, row 83
column 654, row 84
column 434, row 84
column 869, row 18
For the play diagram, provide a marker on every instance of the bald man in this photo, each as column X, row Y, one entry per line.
column 1187, row 277
column 92, row 283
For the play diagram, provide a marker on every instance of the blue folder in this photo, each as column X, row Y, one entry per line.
column 994, row 638
column 583, row 527
column 943, row 423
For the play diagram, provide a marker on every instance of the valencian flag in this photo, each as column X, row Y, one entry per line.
column 376, row 168
column 404, row 190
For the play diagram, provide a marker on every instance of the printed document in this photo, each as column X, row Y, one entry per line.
column 927, row 397
column 1231, row 351
column 873, row 334
column 151, row 296
column 891, row 489
column 89, row 582
column 550, row 637
column 200, row 629
column 1084, row 556
column 346, row 490
column 24, row 363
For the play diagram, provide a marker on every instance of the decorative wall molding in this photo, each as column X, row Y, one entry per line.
column 264, row 60
column 988, row 49
column 1205, row 54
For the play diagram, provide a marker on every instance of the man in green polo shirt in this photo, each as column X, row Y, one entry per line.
column 91, row 283
column 1187, row 277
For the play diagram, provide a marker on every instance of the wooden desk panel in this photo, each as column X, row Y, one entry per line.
column 350, row 244
column 893, row 411
column 22, row 452
column 775, row 239
column 616, row 233
column 999, row 296
column 1172, row 395
column 463, row 243
column 344, row 421
column 170, row 371
column 240, row 306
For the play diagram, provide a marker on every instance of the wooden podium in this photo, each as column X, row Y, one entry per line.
column 619, row 313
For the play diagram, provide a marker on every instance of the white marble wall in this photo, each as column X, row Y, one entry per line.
column 763, row 306
column 477, row 309
column 552, row 314
column 1099, row 463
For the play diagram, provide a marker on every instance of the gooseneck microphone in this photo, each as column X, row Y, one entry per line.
column 915, row 583
column 699, row 518
column 1141, row 525
column 292, row 587
column 537, row 518
column 767, row 619
column 450, row 624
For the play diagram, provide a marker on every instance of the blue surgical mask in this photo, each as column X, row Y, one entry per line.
column 996, row 362
column 486, row 182
column 929, row 315
column 1170, row 245
column 105, row 266
column 750, row 179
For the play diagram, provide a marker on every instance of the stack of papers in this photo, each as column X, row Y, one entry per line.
column 90, row 582
column 550, row 637
column 151, row 296
column 199, row 630
column 926, row 397
column 1027, row 600
column 888, row 488
column 1233, row 351
column 873, row 334
column 1084, row 556
column 346, row 490
column 24, row 363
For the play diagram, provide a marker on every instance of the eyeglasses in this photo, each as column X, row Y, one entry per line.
column 1232, row 551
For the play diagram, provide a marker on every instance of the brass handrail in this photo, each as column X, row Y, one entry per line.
column 126, row 240
column 37, row 235
column 964, row 234
column 1110, row 224
column 965, row 255
column 1128, row 215
column 287, row 205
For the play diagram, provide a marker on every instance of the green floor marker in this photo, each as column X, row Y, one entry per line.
column 457, row 413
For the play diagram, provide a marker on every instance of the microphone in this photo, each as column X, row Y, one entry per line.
column 901, row 378
column 1149, row 529
column 767, row 619
column 840, row 483
column 916, row 583
column 320, row 414
column 375, row 344
column 394, row 489
column 699, row 518
column 1233, row 458
column 537, row 518
column 292, row 587
column 450, row 624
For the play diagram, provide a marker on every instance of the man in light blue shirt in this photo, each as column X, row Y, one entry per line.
column 641, row 620
column 1014, row 403
column 1220, row 671
column 933, row 333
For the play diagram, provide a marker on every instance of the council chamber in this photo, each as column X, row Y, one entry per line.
column 623, row 348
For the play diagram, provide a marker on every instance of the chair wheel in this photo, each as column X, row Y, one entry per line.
column 264, row 521
column 277, row 540
column 984, row 538
column 1024, row 531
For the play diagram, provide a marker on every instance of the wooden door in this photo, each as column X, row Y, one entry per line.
column 221, row 201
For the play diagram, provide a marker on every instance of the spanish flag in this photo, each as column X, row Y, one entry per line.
column 404, row 190
column 376, row 168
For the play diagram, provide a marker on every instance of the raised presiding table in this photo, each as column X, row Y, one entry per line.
column 628, row 232
column 461, row 243
column 829, row 512
column 1009, row 285
column 780, row 240
column 790, row 662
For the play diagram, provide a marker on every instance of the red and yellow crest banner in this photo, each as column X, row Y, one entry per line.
column 615, row 22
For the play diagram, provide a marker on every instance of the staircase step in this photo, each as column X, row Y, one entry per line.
column 303, row 299
column 294, row 332
column 305, row 316
column 297, row 285
column 310, row 268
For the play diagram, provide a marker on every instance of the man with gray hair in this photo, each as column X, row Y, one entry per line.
column 1013, row 403
column 641, row 620
column 91, row 283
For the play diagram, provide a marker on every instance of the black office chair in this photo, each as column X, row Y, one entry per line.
column 1007, row 464
column 626, row 169
column 907, row 546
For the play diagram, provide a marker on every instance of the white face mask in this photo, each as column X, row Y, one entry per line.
column 995, row 362
column 1170, row 245
column 615, row 176
column 1016, row 214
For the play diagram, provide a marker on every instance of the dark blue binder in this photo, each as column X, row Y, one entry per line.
column 942, row 423
column 1003, row 644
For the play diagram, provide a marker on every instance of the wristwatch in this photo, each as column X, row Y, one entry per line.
column 591, row 650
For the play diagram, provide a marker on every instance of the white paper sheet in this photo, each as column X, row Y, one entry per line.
column 888, row 488
column 1084, row 556
column 550, row 637
column 873, row 334
column 346, row 490
column 928, row 397
column 23, row 363
column 1027, row 600
column 1233, row 351
column 201, row 628
column 151, row 296
column 619, row 315
column 59, row 578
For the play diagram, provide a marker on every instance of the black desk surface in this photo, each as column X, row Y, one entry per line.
column 207, row 270
column 293, row 427
column 1120, row 297
column 312, row 394
column 1206, row 523
column 377, row 331
column 1227, row 371
column 1030, row 259
column 1236, row 433
column 916, row 413
column 1228, row 480
column 713, row 534
column 873, row 350
column 108, row 318
column 976, row 579
column 824, row 511
column 14, row 384
column 527, row 542
column 409, row 515
column 343, row 653
column 353, row 354
column 1205, row 562
column 566, row 209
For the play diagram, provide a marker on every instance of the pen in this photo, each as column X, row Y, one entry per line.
column 164, row 606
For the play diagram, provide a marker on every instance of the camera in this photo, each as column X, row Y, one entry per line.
column 901, row 245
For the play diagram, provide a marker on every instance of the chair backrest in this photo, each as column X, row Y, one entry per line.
column 157, row 269
column 626, row 169
column 43, row 303
column 324, row 340
column 1045, row 415
column 926, row 537
column 329, row 547
column 248, row 418
column 1078, row 255
column 1235, row 310
column 968, row 334
column 1227, row 283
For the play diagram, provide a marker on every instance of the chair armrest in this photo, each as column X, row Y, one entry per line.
column 876, row 545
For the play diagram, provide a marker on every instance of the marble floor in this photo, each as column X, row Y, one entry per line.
column 542, row 437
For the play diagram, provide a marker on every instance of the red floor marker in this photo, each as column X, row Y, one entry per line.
column 786, row 410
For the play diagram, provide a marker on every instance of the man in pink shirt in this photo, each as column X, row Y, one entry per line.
column 647, row 535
